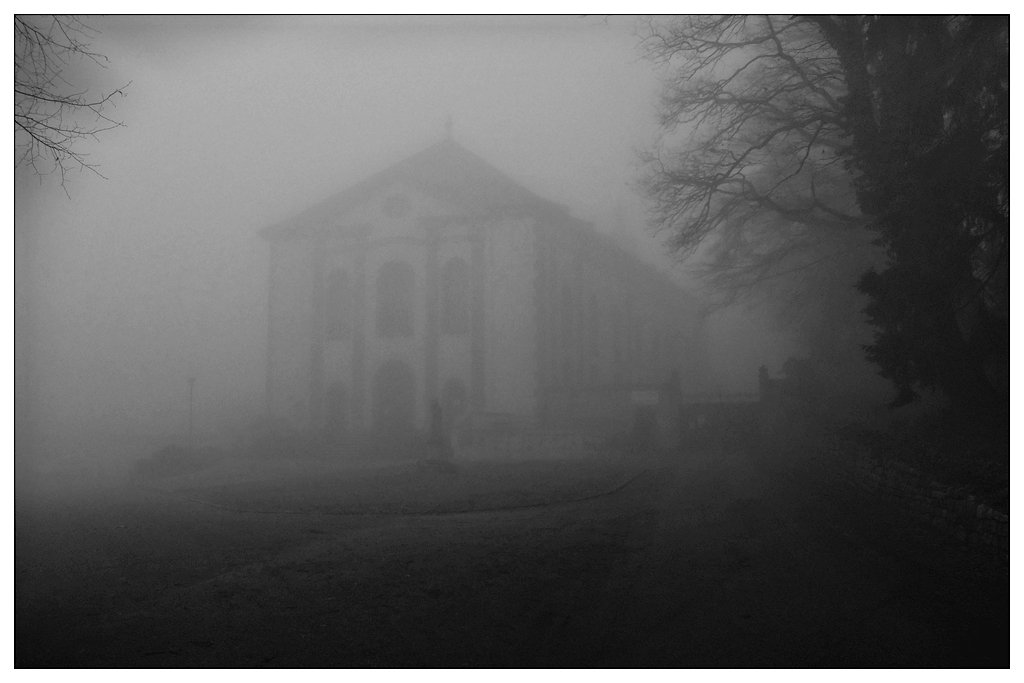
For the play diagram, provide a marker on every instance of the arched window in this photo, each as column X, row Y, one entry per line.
column 337, row 305
column 455, row 297
column 395, row 300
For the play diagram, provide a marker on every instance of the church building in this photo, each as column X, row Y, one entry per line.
column 442, row 279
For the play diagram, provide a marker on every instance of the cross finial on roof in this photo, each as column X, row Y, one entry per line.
column 448, row 126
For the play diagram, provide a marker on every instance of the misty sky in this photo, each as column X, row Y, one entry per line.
column 157, row 272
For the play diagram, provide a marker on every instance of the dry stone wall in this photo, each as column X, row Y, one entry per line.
column 969, row 522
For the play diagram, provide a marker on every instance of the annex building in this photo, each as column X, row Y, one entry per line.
column 442, row 279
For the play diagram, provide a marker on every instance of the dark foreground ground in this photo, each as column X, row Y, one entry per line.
column 723, row 561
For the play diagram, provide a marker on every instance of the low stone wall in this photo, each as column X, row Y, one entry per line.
column 968, row 521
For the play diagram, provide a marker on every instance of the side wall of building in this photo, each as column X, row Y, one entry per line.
column 607, row 324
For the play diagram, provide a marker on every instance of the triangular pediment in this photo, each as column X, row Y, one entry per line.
column 446, row 173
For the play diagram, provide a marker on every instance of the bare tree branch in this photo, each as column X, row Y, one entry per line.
column 51, row 118
column 745, row 173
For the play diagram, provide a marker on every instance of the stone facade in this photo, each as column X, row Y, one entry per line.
column 441, row 279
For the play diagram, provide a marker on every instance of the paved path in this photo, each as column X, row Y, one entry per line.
column 719, row 563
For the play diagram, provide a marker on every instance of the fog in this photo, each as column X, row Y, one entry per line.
column 267, row 415
column 155, row 272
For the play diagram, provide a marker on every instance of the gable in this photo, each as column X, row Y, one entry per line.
column 446, row 173
column 395, row 211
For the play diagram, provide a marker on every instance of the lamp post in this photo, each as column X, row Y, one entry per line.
column 191, row 383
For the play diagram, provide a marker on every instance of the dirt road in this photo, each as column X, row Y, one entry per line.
column 719, row 562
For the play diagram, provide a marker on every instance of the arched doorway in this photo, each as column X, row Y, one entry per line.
column 336, row 411
column 394, row 397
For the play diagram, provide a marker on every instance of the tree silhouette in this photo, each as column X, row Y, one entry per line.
column 784, row 139
column 928, row 111
column 749, row 169
column 52, row 115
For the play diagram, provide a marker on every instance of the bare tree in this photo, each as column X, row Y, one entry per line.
column 783, row 137
column 749, row 169
column 52, row 115
column 751, row 125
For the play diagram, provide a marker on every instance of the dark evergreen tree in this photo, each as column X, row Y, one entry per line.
column 786, row 136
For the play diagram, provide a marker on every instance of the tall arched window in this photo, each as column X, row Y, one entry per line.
column 455, row 297
column 395, row 287
column 337, row 305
